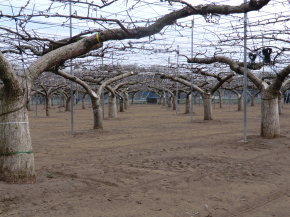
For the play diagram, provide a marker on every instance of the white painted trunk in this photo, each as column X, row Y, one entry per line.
column 270, row 124
column 207, row 106
column 112, row 106
column 16, row 156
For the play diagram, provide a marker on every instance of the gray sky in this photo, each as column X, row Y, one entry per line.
column 206, row 35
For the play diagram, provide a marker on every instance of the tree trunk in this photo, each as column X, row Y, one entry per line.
column 47, row 101
column 252, row 100
column 174, row 102
column 163, row 100
column 67, row 104
column 121, row 105
column 16, row 157
column 220, row 100
column 270, row 124
column 207, row 106
column 51, row 102
column 169, row 103
column 98, row 113
column 195, row 100
column 240, row 103
column 84, row 101
column 280, row 103
column 63, row 101
column 221, row 93
column 159, row 101
column 112, row 106
column 126, row 104
column 28, row 105
column 132, row 99
column 187, row 104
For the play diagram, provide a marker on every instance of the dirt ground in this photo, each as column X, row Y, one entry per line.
column 150, row 162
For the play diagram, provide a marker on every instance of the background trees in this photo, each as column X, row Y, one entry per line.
column 41, row 51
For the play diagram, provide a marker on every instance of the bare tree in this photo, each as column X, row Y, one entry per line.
column 270, row 125
column 206, row 94
column 16, row 156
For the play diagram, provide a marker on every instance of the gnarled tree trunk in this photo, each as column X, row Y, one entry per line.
column 220, row 99
column 187, row 104
column 126, row 99
column 169, row 103
column 195, row 100
column 67, row 104
column 28, row 104
column 133, row 98
column 163, row 103
column 240, row 103
column 280, row 103
column 84, row 101
column 270, row 123
column 174, row 102
column 121, row 102
column 16, row 156
column 97, row 112
column 47, row 106
column 112, row 106
column 252, row 100
column 207, row 106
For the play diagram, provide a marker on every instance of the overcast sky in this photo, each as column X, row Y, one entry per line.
column 206, row 35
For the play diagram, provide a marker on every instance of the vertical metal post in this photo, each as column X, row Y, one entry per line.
column 103, row 95
column 245, row 83
column 166, row 94
column 191, row 78
column 176, row 83
column 263, row 72
column 71, row 72
column 36, row 102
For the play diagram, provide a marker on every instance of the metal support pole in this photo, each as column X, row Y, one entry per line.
column 103, row 95
column 191, row 78
column 103, row 104
column 71, row 72
column 245, row 83
column 176, row 83
column 36, row 102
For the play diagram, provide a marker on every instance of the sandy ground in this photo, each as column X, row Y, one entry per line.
column 150, row 162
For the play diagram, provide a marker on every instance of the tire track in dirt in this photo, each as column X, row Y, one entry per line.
column 260, row 202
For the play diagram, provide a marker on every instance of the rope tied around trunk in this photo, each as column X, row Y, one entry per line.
column 20, row 122
column 15, row 153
